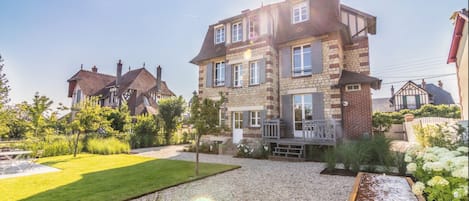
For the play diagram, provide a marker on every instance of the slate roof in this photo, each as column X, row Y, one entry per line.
column 382, row 105
column 349, row 77
column 440, row 96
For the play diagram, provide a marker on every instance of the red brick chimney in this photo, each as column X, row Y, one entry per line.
column 118, row 72
column 94, row 69
column 158, row 78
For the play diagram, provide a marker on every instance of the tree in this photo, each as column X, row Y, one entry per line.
column 170, row 111
column 145, row 131
column 205, row 119
column 120, row 118
column 4, row 90
column 37, row 114
column 90, row 117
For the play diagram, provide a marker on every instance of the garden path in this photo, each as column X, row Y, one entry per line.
column 255, row 180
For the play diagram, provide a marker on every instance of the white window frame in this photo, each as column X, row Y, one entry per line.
column 302, row 66
column 255, row 118
column 219, row 37
column 303, row 104
column 220, row 73
column 353, row 87
column 254, row 75
column 302, row 9
column 238, row 75
column 237, row 32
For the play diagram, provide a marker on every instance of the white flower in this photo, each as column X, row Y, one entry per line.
column 429, row 157
column 463, row 150
column 266, row 148
column 433, row 166
column 461, row 191
column 437, row 180
column 461, row 173
column 407, row 159
column 418, row 188
column 411, row 167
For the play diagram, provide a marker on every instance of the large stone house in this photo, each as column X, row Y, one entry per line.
column 304, row 63
column 413, row 96
column 458, row 55
column 138, row 88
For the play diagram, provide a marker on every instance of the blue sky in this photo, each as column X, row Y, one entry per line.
column 45, row 42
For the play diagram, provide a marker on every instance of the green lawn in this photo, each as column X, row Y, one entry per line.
column 98, row 177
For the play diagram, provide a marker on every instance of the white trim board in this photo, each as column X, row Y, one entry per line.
column 302, row 91
column 245, row 108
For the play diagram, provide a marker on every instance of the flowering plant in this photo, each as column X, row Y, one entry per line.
column 442, row 173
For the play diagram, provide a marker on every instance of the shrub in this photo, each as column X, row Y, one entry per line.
column 54, row 145
column 442, row 173
column 244, row 150
column 439, row 135
column 261, row 152
column 386, row 118
column 145, row 132
column 204, row 147
column 106, row 146
column 330, row 159
column 399, row 162
column 379, row 152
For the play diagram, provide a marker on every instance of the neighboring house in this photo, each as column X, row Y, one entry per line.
column 138, row 88
column 382, row 105
column 458, row 54
column 304, row 62
column 413, row 96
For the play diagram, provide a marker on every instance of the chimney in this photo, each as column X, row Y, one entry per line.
column 424, row 84
column 392, row 90
column 440, row 83
column 158, row 78
column 94, row 69
column 119, row 72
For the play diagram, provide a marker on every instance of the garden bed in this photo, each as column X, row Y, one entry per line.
column 369, row 186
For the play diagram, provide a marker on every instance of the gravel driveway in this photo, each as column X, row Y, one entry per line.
column 255, row 180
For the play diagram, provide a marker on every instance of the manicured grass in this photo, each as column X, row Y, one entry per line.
column 98, row 177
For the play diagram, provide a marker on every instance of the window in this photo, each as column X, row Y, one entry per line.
column 237, row 120
column 254, row 73
column 237, row 32
column 352, row 87
column 300, row 12
column 253, row 27
column 238, row 75
column 221, row 117
column 302, row 110
column 220, row 74
column 356, row 24
column 255, row 119
column 220, row 35
column 302, row 60
column 78, row 95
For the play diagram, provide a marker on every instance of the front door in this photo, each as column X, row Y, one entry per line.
column 302, row 109
column 237, row 127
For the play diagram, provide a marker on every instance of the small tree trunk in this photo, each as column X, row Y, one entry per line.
column 197, row 156
column 76, row 145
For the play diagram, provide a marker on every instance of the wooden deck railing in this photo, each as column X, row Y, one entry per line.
column 271, row 129
column 327, row 130
column 313, row 130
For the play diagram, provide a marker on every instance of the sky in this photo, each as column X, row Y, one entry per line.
column 45, row 42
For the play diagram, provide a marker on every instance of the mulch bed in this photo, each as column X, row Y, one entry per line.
column 349, row 173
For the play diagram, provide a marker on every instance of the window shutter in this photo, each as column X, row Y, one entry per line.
column 417, row 101
column 287, row 116
column 228, row 75
column 246, row 119
column 404, row 102
column 318, row 106
column 262, row 71
column 208, row 75
column 316, row 54
column 285, row 62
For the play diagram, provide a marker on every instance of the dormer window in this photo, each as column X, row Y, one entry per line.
column 300, row 12
column 237, row 32
column 253, row 27
column 219, row 34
